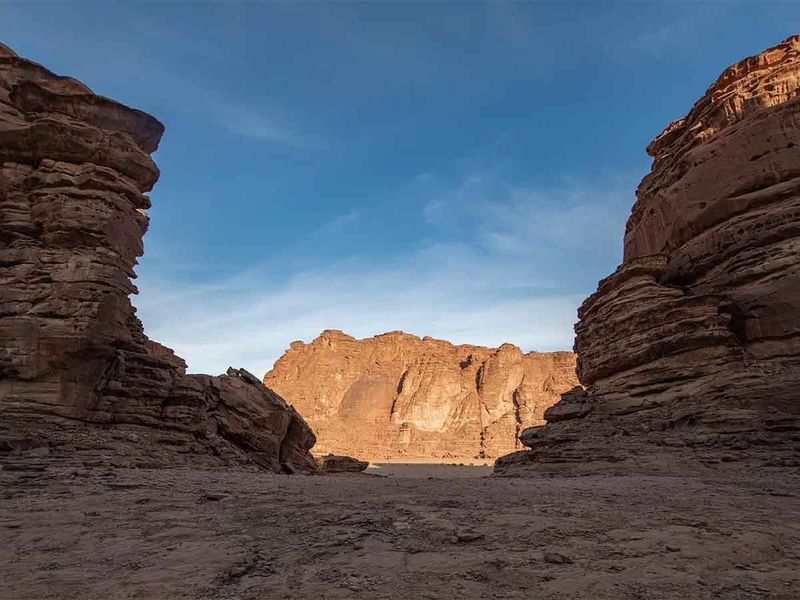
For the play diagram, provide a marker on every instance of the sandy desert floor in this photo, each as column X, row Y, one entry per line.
column 425, row 470
column 164, row 534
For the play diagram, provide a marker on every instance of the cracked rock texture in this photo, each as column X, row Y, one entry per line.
column 77, row 373
column 398, row 397
column 690, row 351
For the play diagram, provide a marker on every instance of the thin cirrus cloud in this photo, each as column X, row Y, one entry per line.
column 123, row 61
column 261, row 123
column 255, row 124
column 342, row 222
column 575, row 216
column 501, row 281
column 250, row 322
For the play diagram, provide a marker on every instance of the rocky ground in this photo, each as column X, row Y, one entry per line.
column 69, row 532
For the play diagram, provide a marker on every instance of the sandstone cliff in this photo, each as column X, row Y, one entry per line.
column 690, row 351
column 76, row 370
column 398, row 397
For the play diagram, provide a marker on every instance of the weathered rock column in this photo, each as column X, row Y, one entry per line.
column 74, row 171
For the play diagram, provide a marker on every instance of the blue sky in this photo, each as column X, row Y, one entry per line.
column 460, row 170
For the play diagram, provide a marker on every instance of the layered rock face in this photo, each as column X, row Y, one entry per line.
column 690, row 351
column 76, row 370
column 398, row 397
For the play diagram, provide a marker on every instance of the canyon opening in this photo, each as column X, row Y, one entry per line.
column 471, row 341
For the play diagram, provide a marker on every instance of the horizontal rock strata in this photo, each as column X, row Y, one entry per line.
column 690, row 351
column 398, row 397
column 76, row 369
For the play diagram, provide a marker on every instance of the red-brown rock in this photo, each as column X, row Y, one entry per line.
column 398, row 397
column 690, row 351
column 333, row 463
column 76, row 370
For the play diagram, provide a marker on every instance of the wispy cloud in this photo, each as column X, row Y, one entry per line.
column 257, row 124
column 445, row 292
column 661, row 38
column 182, row 90
column 655, row 41
column 574, row 215
column 341, row 222
column 503, row 284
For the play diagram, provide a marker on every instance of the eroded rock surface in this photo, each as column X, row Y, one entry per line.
column 396, row 396
column 192, row 534
column 76, row 370
column 690, row 351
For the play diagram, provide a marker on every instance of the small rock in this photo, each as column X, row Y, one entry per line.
column 340, row 464
column 554, row 558
column 466, row 537
column 115, row 485
column 671, row 548
column 215, row 496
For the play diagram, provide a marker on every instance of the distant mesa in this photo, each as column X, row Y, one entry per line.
column 690, row 350
column 396, row 397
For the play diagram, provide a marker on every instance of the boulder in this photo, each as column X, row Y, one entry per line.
column 333, row 463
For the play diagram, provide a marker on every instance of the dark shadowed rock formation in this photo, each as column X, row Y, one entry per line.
column 76, row 370
column 397, row 397
column 690, row 351
column 333, row 463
